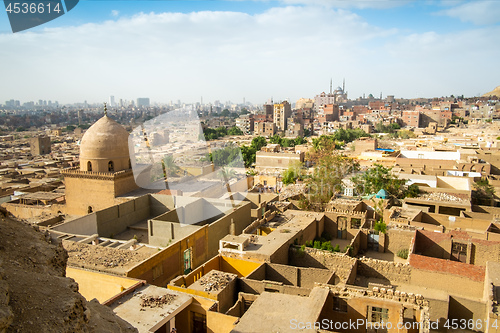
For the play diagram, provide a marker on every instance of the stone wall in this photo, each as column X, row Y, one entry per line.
column 396, row 273
column 397, row 240
column 341, row 264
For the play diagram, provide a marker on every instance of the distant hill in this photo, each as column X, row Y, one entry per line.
column 495, row 92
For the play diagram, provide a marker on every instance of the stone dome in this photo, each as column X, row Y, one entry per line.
column 104, row 147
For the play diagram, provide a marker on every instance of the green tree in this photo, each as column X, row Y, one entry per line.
column 379, row 177
column 380, row 226
column 170, row 167
column 294, row 172
column 285, row 142
column 300, row 141
column 248, row 154
column 483, row 192
column 326, row 179
column 227, row 156
column 221, row 131
column 258, row 143
column 225, row 113
column 275, row 139
column 235, row 131
column 244, row 111
column 70, row 128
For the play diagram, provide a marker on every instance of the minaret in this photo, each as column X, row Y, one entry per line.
column 331, row 82
column 343, row 86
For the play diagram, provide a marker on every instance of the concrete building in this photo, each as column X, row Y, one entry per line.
column 265, row 128
column 245, row 123
column 277, row 159
column 281, row 113
column 143, row 102
column 411, row 119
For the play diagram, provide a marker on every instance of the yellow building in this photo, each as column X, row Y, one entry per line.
column 105, row 170
column 281, row 112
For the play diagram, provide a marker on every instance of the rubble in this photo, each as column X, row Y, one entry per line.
column 157, row 301
column 292, row 191
column 215, row 281
column 80, row 254
column 437, row 196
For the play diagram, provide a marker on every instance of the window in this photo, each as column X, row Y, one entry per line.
column 339, row 304
column 459, row 252
column 111, row 166
column 89, row 166
column 355, row 223
column 377, row 315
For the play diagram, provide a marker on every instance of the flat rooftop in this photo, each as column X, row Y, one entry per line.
column 149, row 307
column 273, row 312
column 105, row 259
column 45, row 196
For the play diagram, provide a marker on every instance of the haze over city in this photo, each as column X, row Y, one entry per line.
column 230, row 50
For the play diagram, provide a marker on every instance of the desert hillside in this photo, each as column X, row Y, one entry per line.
column 35, row 295
column 495, row 92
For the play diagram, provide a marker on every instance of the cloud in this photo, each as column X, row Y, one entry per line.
column 285, row 52
column 115, row 13
column 477, row 12
column 361, row 4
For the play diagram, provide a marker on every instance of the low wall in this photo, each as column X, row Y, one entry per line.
column 116, row 219
column 341, row 264
column 453, row 277
column 395, row 273
column 99, row 285
column 86, row 225
column 398, row 240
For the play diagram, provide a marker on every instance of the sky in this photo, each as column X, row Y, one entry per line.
column 253, row 50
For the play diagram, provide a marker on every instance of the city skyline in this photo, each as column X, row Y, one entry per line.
column 230, row 50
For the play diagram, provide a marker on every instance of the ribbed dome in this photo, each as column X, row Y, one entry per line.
column 104, row 142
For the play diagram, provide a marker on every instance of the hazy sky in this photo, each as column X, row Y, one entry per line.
column 230, row 50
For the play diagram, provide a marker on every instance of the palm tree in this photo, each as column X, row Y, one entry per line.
column 169, row 167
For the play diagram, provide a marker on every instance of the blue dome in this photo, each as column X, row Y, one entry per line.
column 382, row 194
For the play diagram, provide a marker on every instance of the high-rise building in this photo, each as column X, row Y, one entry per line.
column 281, row 112
column 143, row 102
column 112, row 101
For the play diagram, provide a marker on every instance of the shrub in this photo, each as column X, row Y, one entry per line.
column 327, row 246
column 380, row 227
column 336, row 248
column 403, row 253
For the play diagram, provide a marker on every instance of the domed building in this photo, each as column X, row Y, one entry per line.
column 105, row 170
column 104, row 147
